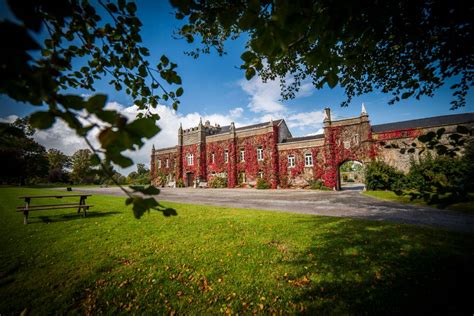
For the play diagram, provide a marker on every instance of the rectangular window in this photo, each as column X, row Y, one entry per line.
column 213, row 158
column 167, row 163
column 190, row 159
column 242, row 155
column 159, row 163
column 226, row 156
column 308, row 160
column 259, row 153
column 291, row 161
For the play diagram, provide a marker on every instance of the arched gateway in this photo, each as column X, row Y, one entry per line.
column 269, row 151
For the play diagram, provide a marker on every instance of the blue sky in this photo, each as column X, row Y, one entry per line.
column 215, row 89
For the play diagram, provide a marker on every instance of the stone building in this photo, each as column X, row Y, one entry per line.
column 269, row 151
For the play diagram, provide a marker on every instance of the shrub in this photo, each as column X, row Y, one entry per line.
column 284, row 182
column 380, row 176
column 217, row 182
column 262, row 184
column 434, row 178
column 317, row 185
column 180, row 183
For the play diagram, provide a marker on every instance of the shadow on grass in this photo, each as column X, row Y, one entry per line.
column 68, row 217
column 361, row 267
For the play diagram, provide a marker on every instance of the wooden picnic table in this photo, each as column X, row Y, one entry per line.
column 27, row 208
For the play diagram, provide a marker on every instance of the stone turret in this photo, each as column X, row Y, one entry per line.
column 327, row 117
column 364, row 115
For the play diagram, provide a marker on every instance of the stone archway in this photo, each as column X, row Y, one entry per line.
column 350, row 175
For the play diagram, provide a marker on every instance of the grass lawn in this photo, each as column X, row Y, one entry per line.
column 210, row 260
column 464, row 207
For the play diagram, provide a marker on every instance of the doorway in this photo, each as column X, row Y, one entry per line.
column 189, row 179
column 351, row 176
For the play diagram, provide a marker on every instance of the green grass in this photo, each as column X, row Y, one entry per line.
column 464, row 207
column 209, row 260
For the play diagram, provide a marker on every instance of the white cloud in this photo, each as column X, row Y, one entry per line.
column 9, row 119
column 264, row 99
column 236, row 112
column 304, row 119
column 264, row 96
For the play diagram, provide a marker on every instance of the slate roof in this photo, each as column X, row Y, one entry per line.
column 297, row 139
column 425, row 122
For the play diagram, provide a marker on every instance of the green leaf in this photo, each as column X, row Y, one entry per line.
column 131, row 7
column 179, row 92
column 72, row 101
column 406, row 95
column 142, row 70
column 250, row 73
column 144, row 127
column 164, row 60
column 121, row 160
column 108, row 116
column 96, row 103
column 42, row 120
column 247, row 56
column 141, row 205
column 332, row 79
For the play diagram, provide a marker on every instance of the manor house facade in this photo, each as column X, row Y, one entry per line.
column 269, row 151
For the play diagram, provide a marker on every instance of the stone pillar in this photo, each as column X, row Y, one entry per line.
column 330, row 175
column 274, row 176
column 179, row 156
column 232, row 166
column 152, row 165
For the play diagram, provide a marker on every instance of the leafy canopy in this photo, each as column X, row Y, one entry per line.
column 405, row 48
column 82, row 44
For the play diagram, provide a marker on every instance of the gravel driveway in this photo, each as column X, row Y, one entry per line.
column 341, row 204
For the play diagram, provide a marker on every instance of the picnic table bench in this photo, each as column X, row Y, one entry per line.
column 27, row 208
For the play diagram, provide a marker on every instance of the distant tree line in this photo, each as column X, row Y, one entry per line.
column 26, row 162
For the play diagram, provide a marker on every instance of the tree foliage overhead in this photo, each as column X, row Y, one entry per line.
column 81, row 47
column 57, row 47
column 405, row 48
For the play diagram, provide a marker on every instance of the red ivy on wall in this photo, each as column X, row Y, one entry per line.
column 289, row 174
column 251, row 165
column 186, row 150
